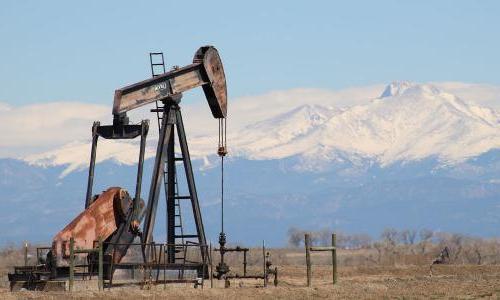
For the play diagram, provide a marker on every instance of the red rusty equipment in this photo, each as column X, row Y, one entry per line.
column 99, row 221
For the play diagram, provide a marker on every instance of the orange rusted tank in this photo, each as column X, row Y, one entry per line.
column 99, row 220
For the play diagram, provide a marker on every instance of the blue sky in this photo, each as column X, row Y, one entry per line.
column 67, row 51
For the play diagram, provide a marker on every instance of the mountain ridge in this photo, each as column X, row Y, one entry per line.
column 408, row 121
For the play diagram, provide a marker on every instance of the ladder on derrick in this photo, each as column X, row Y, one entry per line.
column 157, row 62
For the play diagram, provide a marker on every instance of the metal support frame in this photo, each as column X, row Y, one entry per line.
column 222, row 268
column 157, row 264
column 118, row 247
column 195, row 205
column 140, row 167
column 156, row 179
column 90, row 182
column 172, row 118
column 267, row 269
column 120, row 130
column 170, row 198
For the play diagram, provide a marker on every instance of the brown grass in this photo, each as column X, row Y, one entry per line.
column 462, row 282
column 359, row 278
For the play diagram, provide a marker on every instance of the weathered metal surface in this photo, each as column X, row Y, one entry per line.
column 148, row 91
column 216, row 91
column 206, row 71
column 99, row 220
column 186, row 81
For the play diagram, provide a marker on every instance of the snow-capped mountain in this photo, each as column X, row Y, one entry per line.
column 414, row 157
column 407, row 122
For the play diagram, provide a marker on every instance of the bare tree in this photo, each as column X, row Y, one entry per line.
column 425, row 235
column 343, row 240
column 390, row 237
column 314, row 236
column 324, row 237
column 412, row 234
column 379, row 247
column 473, row 250
column 453, row 241
column 360, row 241
column 477, row 250
column 404, row 237
column 456, row 241
column 295, row 236
column 493, row 248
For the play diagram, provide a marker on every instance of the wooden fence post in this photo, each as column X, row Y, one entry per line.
column 276, row 276
column 307, row 243
column 26, row 254
column 244, row 263
column 71, row 263
column 265, row 267
column 100, row 277
column 334, row 257
column 211, row 268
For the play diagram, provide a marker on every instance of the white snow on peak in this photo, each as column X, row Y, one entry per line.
column 396, row 88
column 290, row 125
column 408, row 122
column 412, row 122
column 76, row 155
column 399, row 88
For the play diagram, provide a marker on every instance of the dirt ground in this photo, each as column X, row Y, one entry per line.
column 404, row 282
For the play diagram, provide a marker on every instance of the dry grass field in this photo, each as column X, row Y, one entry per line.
column 406, row 282
column 364, row 281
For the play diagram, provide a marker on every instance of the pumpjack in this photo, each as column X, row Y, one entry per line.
column 114, row 216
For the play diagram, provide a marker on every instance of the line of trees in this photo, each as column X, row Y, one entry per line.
column 396, row 245
column 323, row 237
column 389, row 237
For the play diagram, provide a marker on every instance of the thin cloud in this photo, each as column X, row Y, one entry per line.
column 479, row 93
column 32, row 128
column 44, row 127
